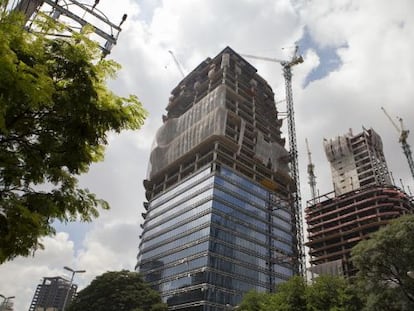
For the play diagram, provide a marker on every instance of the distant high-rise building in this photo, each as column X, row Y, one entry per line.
column 7, row 304
column 357, row 161
column 218, row 220
column 363, row 200
column 50, row 295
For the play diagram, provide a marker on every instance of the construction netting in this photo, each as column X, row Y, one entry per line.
column 177, row 136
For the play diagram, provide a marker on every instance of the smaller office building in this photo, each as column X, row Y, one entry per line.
column 51, row 294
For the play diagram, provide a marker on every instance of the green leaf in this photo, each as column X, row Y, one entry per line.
column 55, row 114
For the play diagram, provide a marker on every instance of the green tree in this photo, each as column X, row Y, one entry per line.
column 383, row 262
column 115, row 291
column 55, row 113
column 289, row 296
column 254, row 301
column 327, row 293
column 332, row 293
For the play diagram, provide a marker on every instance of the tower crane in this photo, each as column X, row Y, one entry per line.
column 403, row 140
column 311, row 173
column 177, row 63
column 293, row 152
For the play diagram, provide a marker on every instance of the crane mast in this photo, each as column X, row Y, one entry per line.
column 294, row 165
column 311, row 173
column 403, row 140
column 293, row 152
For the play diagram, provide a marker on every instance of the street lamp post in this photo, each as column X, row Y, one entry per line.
column 70, row 284
column 5, row 303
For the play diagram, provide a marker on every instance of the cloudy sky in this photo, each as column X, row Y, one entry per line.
column 358, row 57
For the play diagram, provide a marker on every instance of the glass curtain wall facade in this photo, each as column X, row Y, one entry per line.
column 218, row 219
column 212, row 238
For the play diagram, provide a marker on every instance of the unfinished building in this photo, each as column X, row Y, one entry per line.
column 218, row 220
column 363, row 200
column 337, row 223
column 356, row 161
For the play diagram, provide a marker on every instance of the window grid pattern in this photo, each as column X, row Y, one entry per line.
column 209, row 238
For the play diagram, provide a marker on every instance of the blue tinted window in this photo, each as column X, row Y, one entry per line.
column 184, row 266
column 175, row 190
column 240, row 192
column 185, row 196
column 177, row 243
column 178, row 255
column 235, row 177
column 242, row 229
column 239, row 203
column 236, row 240
column 186, row 221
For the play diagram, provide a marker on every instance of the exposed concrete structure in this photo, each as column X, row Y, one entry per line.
column 357, row 161
column 363, row 200
column 338, row 223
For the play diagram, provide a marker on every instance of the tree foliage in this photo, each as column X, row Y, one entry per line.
column 120, row 290
column 327, row 293
column 383, row 262
column 55, row 113
column 290, row 295
column 254, row 301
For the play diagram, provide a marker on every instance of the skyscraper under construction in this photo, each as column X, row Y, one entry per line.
column 218, row 220
column 363, row 200
column 357, row 161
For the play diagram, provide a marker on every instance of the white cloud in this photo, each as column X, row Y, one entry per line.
column 110, row 247
column 20, row 277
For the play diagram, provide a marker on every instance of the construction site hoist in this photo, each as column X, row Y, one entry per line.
column 403, row 140
column 293, row 152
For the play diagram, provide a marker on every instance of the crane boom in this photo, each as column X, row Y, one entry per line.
column 293, row 152
column 270, row 59
column 177, row 63
column 391, row 120
column 403, row 140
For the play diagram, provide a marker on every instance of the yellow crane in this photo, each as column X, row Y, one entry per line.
column 403, row 140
